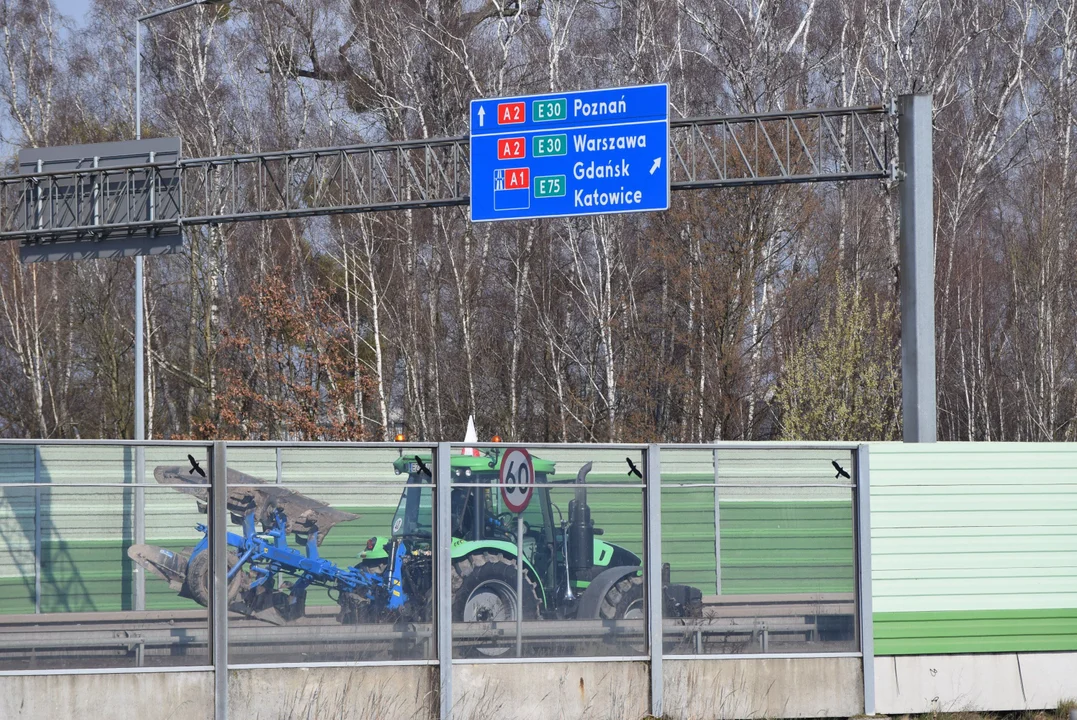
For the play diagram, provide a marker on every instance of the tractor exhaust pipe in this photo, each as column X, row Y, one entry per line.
column 581, row 529
column 569, row 595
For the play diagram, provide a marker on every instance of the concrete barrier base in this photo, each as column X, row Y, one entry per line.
column 954, row 683
column 728, row 688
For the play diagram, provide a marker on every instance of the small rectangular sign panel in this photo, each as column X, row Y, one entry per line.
column 511, row 148
column 574, row 153
column 511, row 113
column 93, row 197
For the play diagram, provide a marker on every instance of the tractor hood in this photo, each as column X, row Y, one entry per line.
column 403, row 465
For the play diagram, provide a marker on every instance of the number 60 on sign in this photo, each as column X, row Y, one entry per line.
column 517, row 479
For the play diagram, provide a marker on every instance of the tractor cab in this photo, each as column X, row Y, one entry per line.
column 479, row 517
column 562, row 552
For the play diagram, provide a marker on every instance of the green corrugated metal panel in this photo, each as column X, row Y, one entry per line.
column 338, row 476
column 83, row 576
column 781, row 532
column 767, row 546
column 95, row 575
column 16, row 464
column 259, row 462
column 779, row 473
column 17, row 594
column 16, row 547
column 787, row 547
column 688, row 536
column 16, row 530
column 619, row 512
column 930, row 633
column 1001, row 542
column 762, row 554
column 67, row 464
column 974, row 547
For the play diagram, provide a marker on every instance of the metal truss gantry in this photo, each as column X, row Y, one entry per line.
column 86, row 212
column 95, row 204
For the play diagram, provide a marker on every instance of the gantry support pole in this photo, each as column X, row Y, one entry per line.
column 917, row 269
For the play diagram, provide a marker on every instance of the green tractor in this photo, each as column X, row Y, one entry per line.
column 569, row 572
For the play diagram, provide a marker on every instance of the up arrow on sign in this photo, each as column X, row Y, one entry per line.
column 482, row 115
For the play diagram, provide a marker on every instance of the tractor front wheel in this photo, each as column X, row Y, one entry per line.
column 624, row 601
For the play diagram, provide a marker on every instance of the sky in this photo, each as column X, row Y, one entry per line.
column 76, row 9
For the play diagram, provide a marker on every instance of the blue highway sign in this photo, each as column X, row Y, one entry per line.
column 572, row 153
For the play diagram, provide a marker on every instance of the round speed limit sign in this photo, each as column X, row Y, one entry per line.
column 517, row 479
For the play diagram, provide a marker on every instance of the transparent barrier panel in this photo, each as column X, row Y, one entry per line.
column 332, row 553
column 77, row 539
column 582, row 542
column 760, row 546
column 18, row 523
column 335, row 561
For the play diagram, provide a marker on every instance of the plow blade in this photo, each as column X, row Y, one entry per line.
column 247, row 493
column 172, row 567
column 168, row 565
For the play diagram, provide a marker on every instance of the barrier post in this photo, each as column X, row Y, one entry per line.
column 652, row 498
column 863, row 557
column 443, row 565
column 218, row 549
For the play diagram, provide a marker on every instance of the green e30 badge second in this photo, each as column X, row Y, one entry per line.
column 549, row 145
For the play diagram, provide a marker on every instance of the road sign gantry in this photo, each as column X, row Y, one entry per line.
column 575, row 153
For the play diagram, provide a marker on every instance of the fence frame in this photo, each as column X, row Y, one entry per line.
column 651, row 487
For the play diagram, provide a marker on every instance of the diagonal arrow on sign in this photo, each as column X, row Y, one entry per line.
column 657, row 164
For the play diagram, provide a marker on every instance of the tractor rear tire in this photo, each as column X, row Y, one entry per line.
column 484, row 590
column 197, row 583
column 624, row 601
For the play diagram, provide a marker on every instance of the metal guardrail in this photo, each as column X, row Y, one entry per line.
column 57, row 640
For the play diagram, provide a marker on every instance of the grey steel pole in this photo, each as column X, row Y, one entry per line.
column 140, row 379
column 862, row 463
column 519, row 584
column 218, row 549
column 138, row 79
column 140, row 372
column 917, row 269
column 652, row 566
column 140, row 349
column 443, row 579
